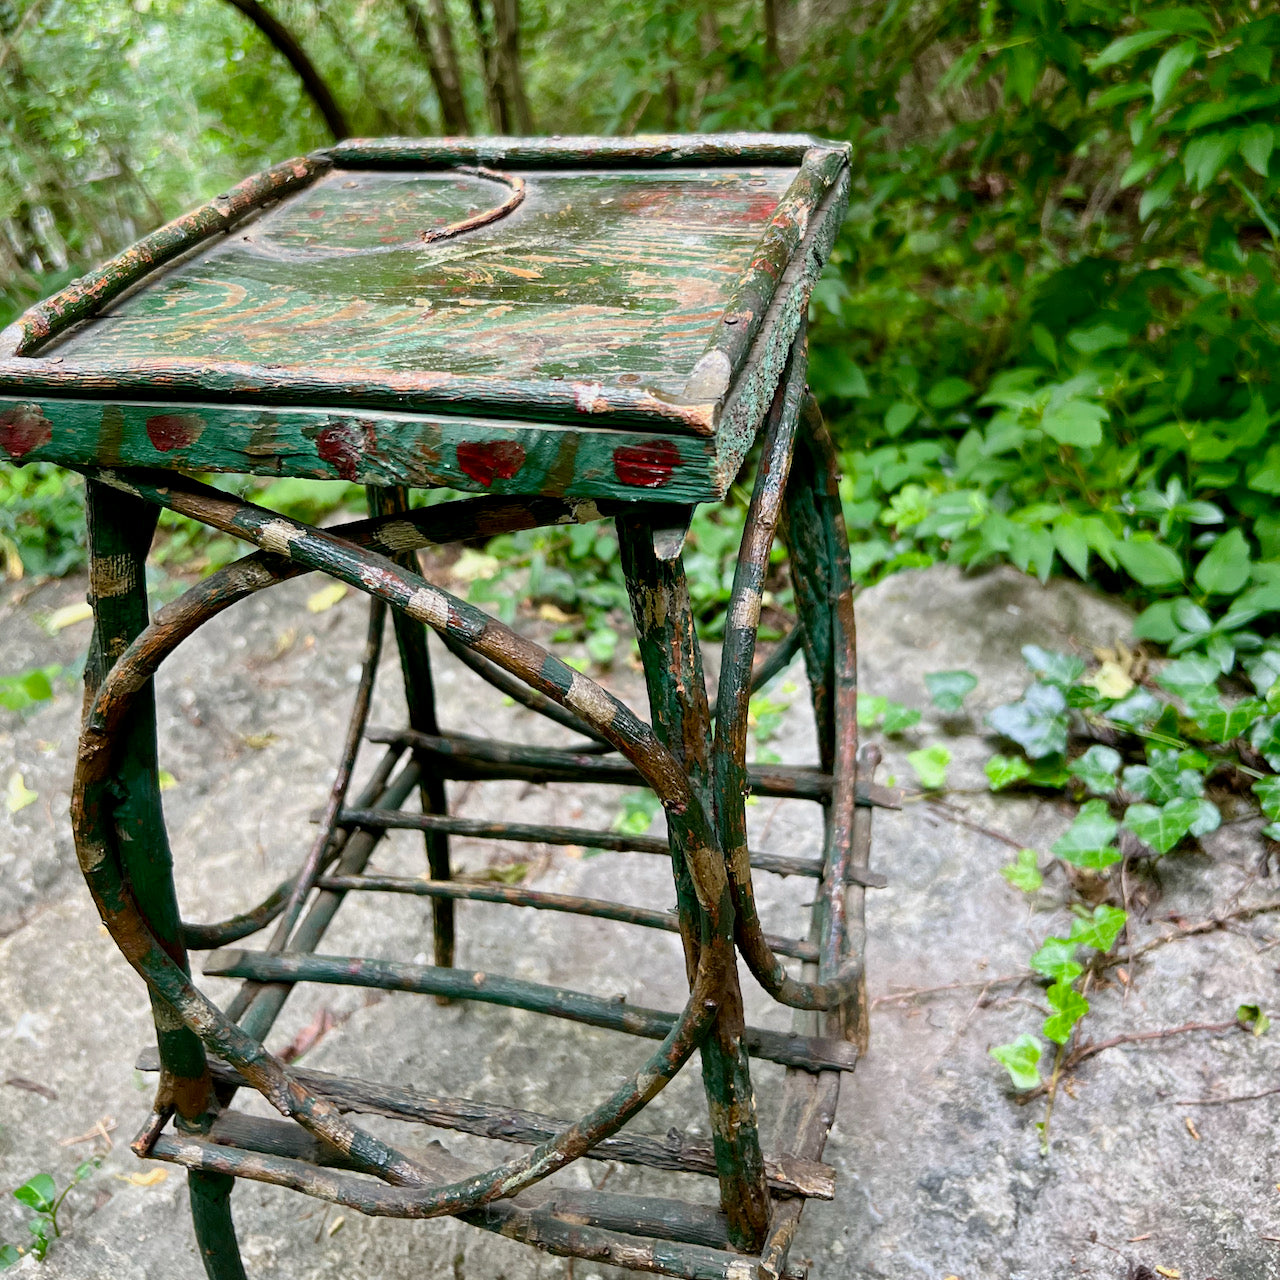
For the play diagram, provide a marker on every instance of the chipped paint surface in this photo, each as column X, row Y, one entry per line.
column 279, row 536
column 590, row 700
column 429, row 605
column 610, row 274
column 646, row 466
column 23, row 428
column 483, row 460
column 169, row 431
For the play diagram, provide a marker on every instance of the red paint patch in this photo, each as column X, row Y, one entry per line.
column 485, row 460
column 23, row 428
column 174, row 430
column 647, row 466
column 341, row 446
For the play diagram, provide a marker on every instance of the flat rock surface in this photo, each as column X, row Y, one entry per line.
column 941, row 1170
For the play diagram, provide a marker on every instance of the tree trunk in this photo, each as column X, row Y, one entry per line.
column 283, row 42
column 442, row 65
column 495, row 96
column 506, row 23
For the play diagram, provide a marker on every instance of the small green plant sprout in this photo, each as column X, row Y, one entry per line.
column 1251, row 1017
column 639, row 808
column 26, row 688
column 40, row 1194
column 1020, row 1058
column 892, row 717
column 930, row 765
column 949, row 689
column 1024, row 872
column 764, row 719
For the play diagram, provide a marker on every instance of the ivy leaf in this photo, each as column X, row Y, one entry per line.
column 1264, row 670
column 1265, row 737
column 898, row 719
column 1053, row 667
column 1056, row 959
column 1097, row 769
column 1208, row 818
column 1268, row 792
column 1004, row 771
column 1071, row 1006
column 1138, row 709
column 930, row 765
column 1163, row 778
column 1087, row 842
column 1149, row 562
column 1099, row 930
column 949, row 689
column 1024, row 874
column 870, row 708
column 1161, row 828
column 1020, row 1058
column 1038, row 724
column 1220, row 723
column 1225, row 569
column 1189, row 675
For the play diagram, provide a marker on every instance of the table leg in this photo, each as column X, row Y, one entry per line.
column 681, row 718
column 419, row 692
column 120, row 530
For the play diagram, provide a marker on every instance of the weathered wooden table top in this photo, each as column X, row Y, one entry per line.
column 591, row 317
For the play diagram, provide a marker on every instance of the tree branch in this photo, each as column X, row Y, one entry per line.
column 283, row 42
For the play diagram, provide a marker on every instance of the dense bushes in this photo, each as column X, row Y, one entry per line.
column 1050, row 329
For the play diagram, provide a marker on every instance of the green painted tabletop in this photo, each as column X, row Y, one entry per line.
column 591, row 317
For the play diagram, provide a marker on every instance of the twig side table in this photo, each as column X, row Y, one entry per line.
column 574, row 329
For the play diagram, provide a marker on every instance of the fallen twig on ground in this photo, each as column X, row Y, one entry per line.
column 1222, row 1102
column 1092, row 1048
column 951, row 814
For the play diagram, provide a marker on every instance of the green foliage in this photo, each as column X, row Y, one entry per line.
column 1049, row 331
column 1020, row 1059
column 40, row 1194
column 1085, row 244
column 930, row 765
column 41, row 521
column 1024, row 874
column 639, row 808
column 949, row 689
column 1150, row 781
column 18, row 692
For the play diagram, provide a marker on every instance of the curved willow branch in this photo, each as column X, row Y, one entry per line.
column 98, row 851
column 729, row 752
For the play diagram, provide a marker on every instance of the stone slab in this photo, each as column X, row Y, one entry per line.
column 941, row 1170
